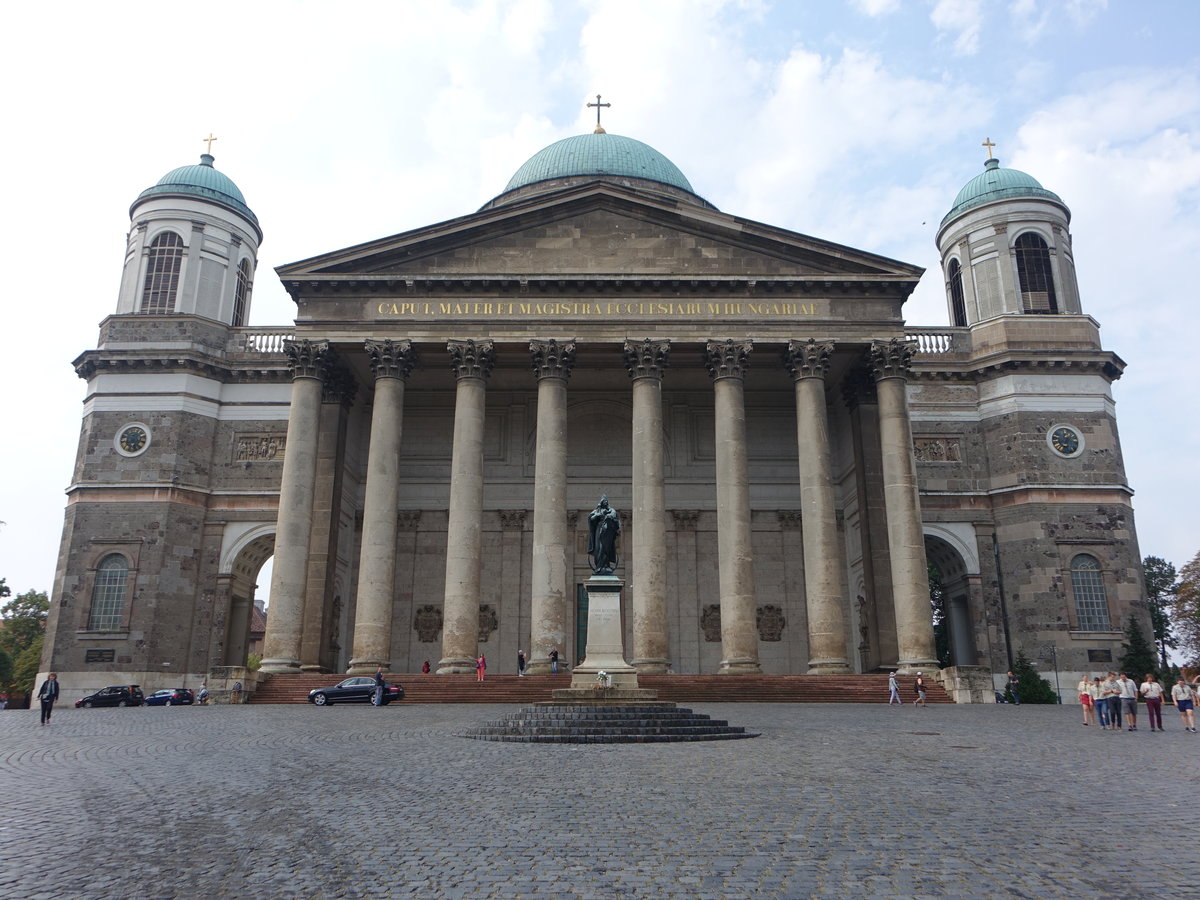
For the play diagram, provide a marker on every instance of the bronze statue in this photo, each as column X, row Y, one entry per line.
column 603, row 527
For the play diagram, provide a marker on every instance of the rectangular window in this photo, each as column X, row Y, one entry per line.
column 108, row 600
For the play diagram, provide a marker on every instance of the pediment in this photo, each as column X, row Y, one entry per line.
column 596, row 231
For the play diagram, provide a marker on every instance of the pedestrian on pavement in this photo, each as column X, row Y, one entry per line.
column 377, row 694
column 1014, row 685
column 521, row 662
column 425, row 667
column 1085, row 701
column 1111, row 689
column 1185, row 702
column 1129, row 695
column 3, row 700
column 47, row 694
column 1153, row 692
column 1098, row 704
column 554, row 660
column 235, row 694
column 202, row 697
column 893, row 690
column 480, row 667
column 919, row 687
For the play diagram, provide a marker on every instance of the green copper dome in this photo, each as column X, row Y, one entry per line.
column 599, row 154
column 994, row 184
column 201, row 181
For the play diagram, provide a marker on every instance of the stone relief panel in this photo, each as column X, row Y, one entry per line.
column 258, row 447
column 938, row 449
column 427, row 623
column 488, row 622
column 710, row 623
column 770, row 623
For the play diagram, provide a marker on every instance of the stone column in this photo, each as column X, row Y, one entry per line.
column 906, row 540
column 471, row 362
column 391, row 362
column 646, row 361
column 308, row 361
column 727, row 362
column 552, row 363
column 808, row 362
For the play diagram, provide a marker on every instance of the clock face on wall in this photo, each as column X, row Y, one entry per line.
column 1065, row 440
column 133, row 439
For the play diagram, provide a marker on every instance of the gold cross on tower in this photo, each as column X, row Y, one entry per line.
column 987, row 142
column 599, row 129
column 210, row 139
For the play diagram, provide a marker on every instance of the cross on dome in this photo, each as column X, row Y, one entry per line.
column 987, row 142
column 599, row 128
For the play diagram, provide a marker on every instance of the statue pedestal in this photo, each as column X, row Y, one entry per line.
column 605, row 651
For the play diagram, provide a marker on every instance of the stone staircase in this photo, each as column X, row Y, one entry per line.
column 420, row 688
column 637, row 723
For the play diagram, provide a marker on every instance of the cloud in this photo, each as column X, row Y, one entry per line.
column 876, row 8
column 963, row 19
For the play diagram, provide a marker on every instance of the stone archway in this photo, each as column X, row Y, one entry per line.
column 945, row 553
column 242, row 563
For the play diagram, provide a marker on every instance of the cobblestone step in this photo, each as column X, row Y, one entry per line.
column 586, row 724
column 511, row 689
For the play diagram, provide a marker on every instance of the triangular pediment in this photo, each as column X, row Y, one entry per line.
column 599, row 230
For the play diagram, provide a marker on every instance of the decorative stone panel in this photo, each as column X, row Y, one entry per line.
column 427, row 623
column 710, row 623
column 488, row 622
column 938, row 449
column 770, row 622
column 258, row 446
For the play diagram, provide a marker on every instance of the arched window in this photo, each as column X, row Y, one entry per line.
column 957, row 303
column 108, row 594
column 162, row 274
column 1033, row 270
column 1091, row 604
column 241, row 293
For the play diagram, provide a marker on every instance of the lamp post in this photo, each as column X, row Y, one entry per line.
column 1054, row 660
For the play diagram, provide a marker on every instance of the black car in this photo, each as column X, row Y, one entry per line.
column 171, row 697
column 355, row 690
column 116, row 695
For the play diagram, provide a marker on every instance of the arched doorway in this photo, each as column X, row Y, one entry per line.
column 247, row 558
column 953, row 569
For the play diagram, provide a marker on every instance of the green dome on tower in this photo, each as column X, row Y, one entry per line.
column 995, row 183
column 201, row 181
column 599, row 154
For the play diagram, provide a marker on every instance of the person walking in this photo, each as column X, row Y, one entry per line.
column 1129, row 695
column 377, row 694
column 554, row 660
column 1153, row 692
column 47, row 694
column 893, row 690
column 521, row 662
column 1185, row 702
column 1110, row 688
column 235, row 694
column 1014, row 685
column 1085, row 700
column 1098, row 705
column 919, row 687
column 480, row 667
column 202, row 697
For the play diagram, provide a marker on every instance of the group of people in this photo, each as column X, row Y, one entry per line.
column 918, row 689
column 1112, row 701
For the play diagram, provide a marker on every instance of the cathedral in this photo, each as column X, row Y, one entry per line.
column 794, row 466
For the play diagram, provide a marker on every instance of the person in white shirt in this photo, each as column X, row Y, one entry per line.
column 1153, row 692
column 1129, row 695
column 1185, row 702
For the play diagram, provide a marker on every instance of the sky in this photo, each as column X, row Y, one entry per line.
column 855, row 122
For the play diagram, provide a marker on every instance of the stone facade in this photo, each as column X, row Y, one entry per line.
column 750, row 399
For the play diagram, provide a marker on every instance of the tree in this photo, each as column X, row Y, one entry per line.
column 1032, row 686
column 941, row 623
column 1185, row 610
column 1139, row 657
column 24, row 619
column 25, row 667
column 1160, row 591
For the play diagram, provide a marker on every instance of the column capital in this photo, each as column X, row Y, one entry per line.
column 391, row 359
column 339, row 385
column 552, row 358
column 807, row 359
column 471, row 359
column 307, row 359
column 891, row 359
column 727, row 359
column 647, row 358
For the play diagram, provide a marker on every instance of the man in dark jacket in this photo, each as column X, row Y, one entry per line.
column 48, row 693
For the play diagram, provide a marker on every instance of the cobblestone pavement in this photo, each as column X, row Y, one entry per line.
column 358, row 802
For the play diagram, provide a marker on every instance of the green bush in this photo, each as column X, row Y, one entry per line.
column 253, row 661
column 1032, row 687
